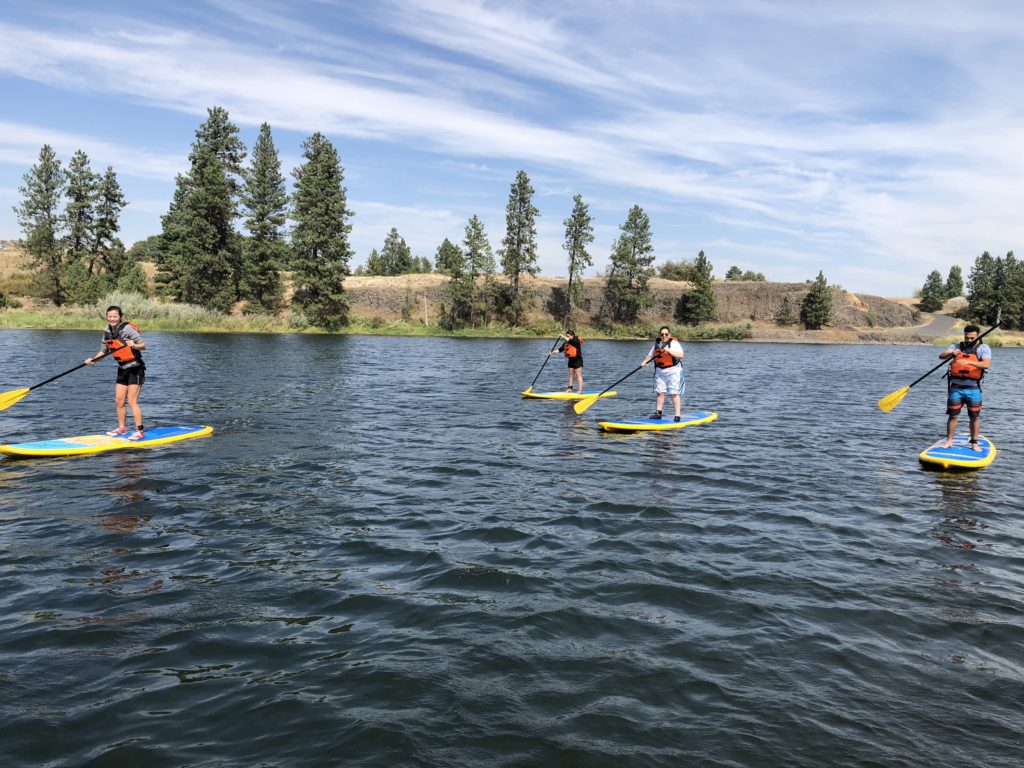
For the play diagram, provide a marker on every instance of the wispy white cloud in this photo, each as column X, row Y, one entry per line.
column 848, row 134
column 20, row 144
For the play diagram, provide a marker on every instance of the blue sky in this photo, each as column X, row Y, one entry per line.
column 875, row 141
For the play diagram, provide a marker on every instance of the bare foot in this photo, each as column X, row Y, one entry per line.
column 975, row 446
column 947, row 444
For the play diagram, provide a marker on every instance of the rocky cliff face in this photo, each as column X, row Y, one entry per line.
column 415, row 295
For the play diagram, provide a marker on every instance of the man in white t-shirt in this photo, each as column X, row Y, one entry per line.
column 667, row 354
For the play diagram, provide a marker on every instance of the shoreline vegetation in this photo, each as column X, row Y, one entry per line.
column 156, row 315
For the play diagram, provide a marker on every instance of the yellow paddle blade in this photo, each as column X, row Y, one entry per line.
column 581, row 405
column 7, row 399
column 890, row 401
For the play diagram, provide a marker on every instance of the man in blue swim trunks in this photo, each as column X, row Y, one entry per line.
column 970, row 360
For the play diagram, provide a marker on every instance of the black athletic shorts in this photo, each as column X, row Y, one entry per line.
column 129, row 376
column 575, row 362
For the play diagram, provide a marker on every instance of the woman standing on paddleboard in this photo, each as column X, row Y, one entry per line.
column 121, row 340
column 667, row 354
column 572, row 348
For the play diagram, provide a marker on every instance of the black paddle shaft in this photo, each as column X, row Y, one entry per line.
column 70, row 370
column 946, row 361
column 544, row 363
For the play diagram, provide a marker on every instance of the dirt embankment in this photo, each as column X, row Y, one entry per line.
column 857, row 317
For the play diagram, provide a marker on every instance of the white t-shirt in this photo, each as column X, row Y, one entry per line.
column 674, row 348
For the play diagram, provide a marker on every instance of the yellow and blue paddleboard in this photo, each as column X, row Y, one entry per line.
column 688, row 419
column 77, row 446
column 565, row 395
column 960, row 455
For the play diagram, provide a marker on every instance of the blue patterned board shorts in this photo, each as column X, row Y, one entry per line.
column 961, row 396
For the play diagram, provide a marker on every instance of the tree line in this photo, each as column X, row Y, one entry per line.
column 70, row 217
column 225, row 239
column 994, row 291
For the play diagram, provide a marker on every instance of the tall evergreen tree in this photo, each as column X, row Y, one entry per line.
column 519, row 254
column 106, row 246
column 627, row 289
column 320, row 236
column 202, row 253
column 933, row 293
column 817, row 306
column 955, row 282
column 579, row 233
column 698, row 305
column 1012, row 294
column 448, row 253
column 265, row 199
column 479, row 264
column 396, row 257
column 983, row 288
column 458, row 306
column 40, row 220
column 80, row 190
column 374, row 264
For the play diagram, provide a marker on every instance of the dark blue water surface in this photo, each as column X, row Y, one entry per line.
column 384, row 556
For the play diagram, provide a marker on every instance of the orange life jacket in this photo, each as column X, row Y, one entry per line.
column 571, row 349
column 959, row 369
column 662, row 357
column 121, row 352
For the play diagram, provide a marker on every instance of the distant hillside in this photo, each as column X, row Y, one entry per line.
column 386, row 297
column 416, row 296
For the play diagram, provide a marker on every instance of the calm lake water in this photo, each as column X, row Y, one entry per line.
column 385, row 557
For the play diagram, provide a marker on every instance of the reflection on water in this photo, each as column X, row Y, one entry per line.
column 418, row 567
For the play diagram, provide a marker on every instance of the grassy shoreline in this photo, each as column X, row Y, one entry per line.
column 153, row 315
column 159, row 316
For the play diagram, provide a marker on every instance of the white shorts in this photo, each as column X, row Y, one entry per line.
column 669, row 381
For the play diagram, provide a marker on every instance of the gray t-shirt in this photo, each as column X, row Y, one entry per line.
column 982, row 351
column 127, row 333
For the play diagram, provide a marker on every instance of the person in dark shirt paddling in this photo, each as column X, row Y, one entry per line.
column 121, row 340
column 572, row 348
column 970, row 360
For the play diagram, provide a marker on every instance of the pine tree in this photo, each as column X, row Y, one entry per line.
column 519, row 255
column 627, row 289
column 817, row 307
column 202, row 252
column 423, row 265
column 787, row 313
column 265, row 199
column 932, row 293
column 41, row 222
column 320, row 236
column 374, row 264
column 983, row 287
column 479, row 263
column 80, row 190
column 106, row 246
column 734, row 273
column 448, row 253
column 698, row 305
column 458, row 304
column 395, row 256
column 579, row 233
column 1012, row 294
column 954, row 283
